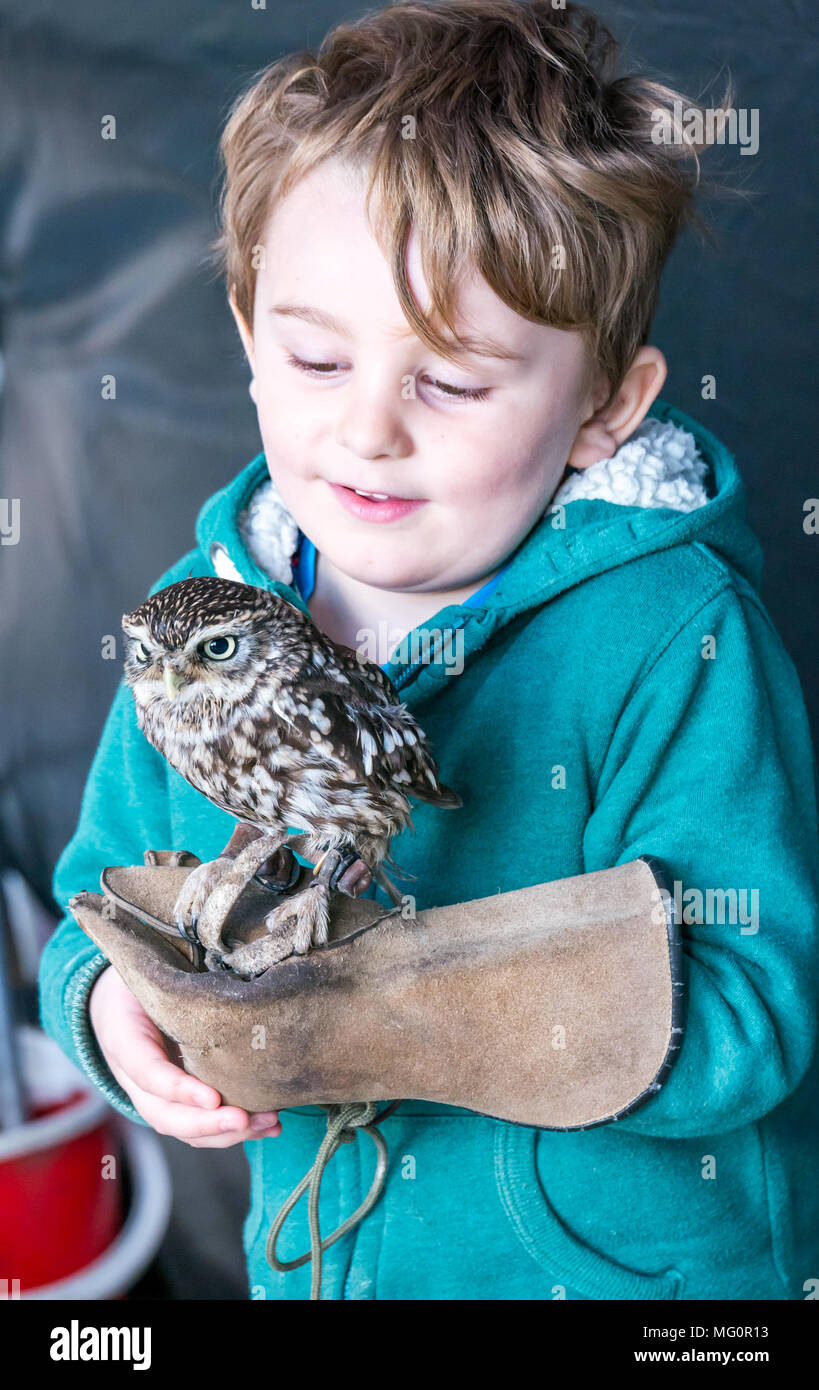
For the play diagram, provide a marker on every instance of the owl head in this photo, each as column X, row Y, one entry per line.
column 206, row 642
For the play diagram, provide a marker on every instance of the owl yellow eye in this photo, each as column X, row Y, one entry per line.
column 219, row 648
column 140, row 652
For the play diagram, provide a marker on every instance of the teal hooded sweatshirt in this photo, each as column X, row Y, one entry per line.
column 623, row 692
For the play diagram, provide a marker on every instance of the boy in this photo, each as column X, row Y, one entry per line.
column 461, row 430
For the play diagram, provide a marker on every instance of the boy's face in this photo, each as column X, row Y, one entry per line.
column 479, row 470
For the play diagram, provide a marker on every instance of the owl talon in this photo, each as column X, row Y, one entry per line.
column 214, row 962
column 280, row 872
column 195, row 892
column 280, row 921
column 187, row 931
column 305, row 918
column 257, row 956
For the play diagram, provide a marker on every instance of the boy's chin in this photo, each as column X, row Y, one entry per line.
column 394, row 573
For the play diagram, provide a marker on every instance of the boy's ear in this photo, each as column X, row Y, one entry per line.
column 602, row 433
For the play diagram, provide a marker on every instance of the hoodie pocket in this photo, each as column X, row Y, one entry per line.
column 552, row 1243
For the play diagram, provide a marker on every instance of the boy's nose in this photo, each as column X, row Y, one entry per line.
column 372, row 425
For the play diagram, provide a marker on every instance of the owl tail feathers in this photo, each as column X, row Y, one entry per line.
column 443, row 797
column 396, row 868
column 384, row 881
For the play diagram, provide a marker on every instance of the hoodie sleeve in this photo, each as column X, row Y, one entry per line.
column 124, row 808
column 711, row 769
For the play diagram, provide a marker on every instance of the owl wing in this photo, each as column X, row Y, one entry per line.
column 350, row 711
column 368, row 681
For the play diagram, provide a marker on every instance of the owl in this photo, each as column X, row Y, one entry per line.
column 281, row 727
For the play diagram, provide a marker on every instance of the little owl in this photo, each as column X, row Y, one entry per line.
column 282, row 728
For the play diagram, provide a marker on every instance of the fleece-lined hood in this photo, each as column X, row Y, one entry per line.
column 672, row 483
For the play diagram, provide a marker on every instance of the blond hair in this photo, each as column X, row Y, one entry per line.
column 497, row 131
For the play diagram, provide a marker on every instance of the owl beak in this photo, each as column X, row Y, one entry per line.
column 173, row 680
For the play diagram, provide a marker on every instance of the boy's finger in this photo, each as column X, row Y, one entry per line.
column 148, row 1066
column 229, row 1124
column 189, row 1121
column 224, row 1141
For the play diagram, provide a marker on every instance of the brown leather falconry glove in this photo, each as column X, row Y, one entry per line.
column 543, row 978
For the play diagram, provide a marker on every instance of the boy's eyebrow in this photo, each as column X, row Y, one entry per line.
column 482, row 347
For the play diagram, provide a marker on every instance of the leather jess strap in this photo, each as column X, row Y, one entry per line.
column 342, row 1123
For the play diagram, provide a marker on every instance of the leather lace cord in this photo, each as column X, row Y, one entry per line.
column 342, row 1123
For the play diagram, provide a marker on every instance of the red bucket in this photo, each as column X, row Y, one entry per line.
column 61, row 1201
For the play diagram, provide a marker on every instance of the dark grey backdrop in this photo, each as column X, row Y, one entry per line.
column 101, row 271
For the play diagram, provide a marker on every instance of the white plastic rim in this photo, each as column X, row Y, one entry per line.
column 53, row 1130
column 49, row 1076
column 129, row 1255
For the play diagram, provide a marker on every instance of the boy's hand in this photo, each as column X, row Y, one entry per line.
column 169, row 1099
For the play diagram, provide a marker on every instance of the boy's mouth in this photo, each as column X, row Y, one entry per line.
column 375, row 506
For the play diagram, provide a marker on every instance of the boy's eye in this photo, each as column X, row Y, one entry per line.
column 311, row 366
column 478, row 393
column 458, row 392
column 219, row 648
